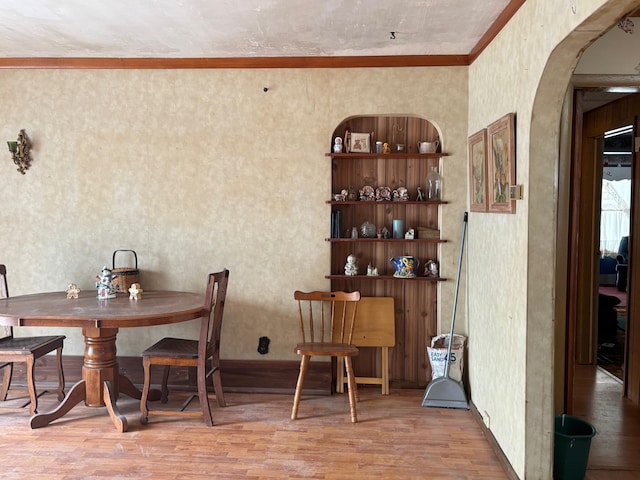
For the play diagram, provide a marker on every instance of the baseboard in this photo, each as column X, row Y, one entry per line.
column 504, row 461
column 244, row 376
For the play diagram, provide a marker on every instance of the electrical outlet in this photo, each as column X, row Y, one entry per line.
column 487, row 419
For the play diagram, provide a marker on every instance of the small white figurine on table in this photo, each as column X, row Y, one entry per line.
column 105, row 284
column 72, row 291
column 135, row 291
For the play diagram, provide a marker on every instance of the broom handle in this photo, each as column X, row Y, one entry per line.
column 455, row 296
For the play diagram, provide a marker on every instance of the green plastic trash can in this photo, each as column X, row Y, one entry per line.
column 571, row 452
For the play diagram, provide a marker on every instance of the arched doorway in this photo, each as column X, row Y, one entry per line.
column 551, row 138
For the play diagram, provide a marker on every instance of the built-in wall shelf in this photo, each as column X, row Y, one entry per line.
column 353, row 176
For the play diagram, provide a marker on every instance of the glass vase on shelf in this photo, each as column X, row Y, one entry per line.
column 434, row 185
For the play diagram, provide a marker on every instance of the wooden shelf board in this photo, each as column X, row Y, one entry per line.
column 387, row 155
column 404, row 202
column 387, row 240
column 385, row 277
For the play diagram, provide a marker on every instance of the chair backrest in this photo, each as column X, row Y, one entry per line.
column 209, row 344
column 322, row 313
column 4, row 288
column 4, row 293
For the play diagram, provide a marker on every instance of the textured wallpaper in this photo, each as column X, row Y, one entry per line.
column 512, row 263
column 197, row 170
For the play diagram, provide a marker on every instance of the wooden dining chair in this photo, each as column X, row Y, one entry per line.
column 204, row 354
column 322, row 313
column 25, row 350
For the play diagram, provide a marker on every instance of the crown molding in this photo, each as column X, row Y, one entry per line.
column 249, row 62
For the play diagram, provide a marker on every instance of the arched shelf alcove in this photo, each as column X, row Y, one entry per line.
column 405, row 130
column 360, row 168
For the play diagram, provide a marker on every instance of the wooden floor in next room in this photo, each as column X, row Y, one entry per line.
column 615, row 449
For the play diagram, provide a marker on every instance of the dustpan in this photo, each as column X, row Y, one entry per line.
column 446, row 392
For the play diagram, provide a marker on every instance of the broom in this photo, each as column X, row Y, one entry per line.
column 445, row 392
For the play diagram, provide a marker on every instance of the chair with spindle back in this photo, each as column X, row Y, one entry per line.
column 322, row 313
column 26, row 350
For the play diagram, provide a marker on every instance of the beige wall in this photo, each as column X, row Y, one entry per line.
column 198, row 170
column 512, row 261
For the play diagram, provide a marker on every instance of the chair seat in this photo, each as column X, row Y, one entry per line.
column 173, row 347
column 316, row 349
column 26, row 350
column 24, row 345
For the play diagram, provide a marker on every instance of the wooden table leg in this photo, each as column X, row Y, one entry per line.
column 101, row 382
column 76, row 395
column 100, row 364
column 128, row 388
column 119, row 420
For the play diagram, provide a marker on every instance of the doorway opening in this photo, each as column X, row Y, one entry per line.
column 615, row 155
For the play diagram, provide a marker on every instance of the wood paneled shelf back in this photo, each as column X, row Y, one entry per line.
column 385, row 203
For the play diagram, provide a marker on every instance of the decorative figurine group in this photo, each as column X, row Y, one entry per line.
column 405, row 265
column 106, row 288
column 380, row 194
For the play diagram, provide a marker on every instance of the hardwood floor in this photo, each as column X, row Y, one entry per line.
column 615, row 450
column 253, row 437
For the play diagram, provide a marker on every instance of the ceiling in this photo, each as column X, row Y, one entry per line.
column 247, row 28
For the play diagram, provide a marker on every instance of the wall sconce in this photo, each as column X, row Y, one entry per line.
column 21, row 152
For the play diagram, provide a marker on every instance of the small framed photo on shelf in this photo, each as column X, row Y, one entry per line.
column 501, row 152
column 360, row 142
column 478, row 171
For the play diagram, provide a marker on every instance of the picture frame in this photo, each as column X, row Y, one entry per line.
column 360, row 142
column 501, row 159
column 478, row 171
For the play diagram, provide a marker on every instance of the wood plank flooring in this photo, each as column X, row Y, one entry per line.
column 254, row 438
column 615, row 450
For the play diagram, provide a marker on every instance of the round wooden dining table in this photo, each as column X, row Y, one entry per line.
column 100, row 320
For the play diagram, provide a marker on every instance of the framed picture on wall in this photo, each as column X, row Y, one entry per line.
column 501, row 171
column 360, row 142
column 478, row 171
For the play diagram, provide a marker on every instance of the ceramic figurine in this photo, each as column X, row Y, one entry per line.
column 135, row 292
column 72, row 291
column 410, row 234
column 372, row 271
column 351, row 269
column 105, row 284
column 400, row 194
column 367, row 194
column 383, row 194
column 431, row 269
column 406, row 266
column 386, row 148
column 337, row 146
